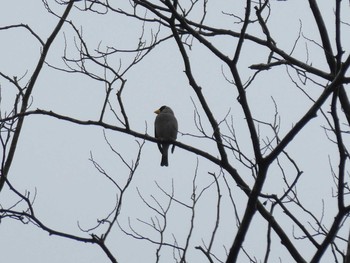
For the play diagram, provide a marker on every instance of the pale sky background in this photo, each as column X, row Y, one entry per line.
column 53, row 156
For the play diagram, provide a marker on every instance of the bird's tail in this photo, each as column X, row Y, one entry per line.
column 164, row 161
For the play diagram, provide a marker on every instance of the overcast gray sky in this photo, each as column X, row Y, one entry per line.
column 53, row 156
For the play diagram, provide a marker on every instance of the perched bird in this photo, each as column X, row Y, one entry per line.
column 165, row 127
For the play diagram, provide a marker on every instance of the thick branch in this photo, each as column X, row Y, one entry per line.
column 330, row 236
column 341, row 150
column 326, row 44
column 197, row 90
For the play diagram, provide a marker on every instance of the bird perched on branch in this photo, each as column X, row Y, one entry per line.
column 165, row 127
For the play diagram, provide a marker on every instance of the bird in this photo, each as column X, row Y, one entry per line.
column 165, row 128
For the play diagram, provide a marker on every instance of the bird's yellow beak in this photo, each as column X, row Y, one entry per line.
column 157, row 111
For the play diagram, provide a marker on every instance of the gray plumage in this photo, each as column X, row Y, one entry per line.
column 165, row 127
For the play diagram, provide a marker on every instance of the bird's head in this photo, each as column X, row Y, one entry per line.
column 160, row 109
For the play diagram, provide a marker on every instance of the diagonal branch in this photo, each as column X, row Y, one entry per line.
column 311, row 113
column 198, row 91
column 326, row 44
column 28, row 93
